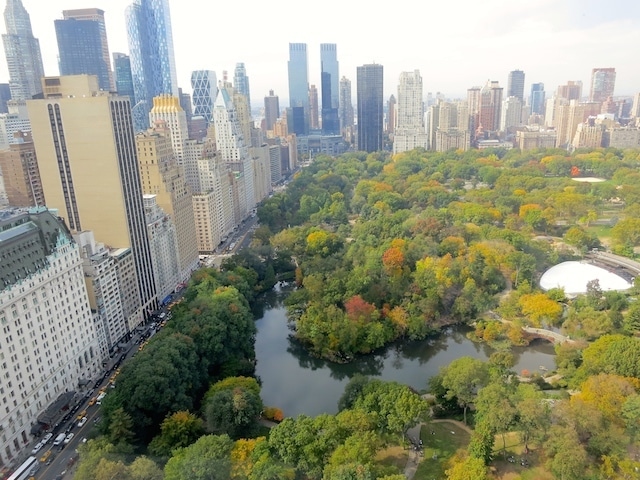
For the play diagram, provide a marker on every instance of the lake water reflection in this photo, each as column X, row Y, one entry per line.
column 299, row 383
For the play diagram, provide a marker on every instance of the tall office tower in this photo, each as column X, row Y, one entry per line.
column 490, row 106
column 241, row 82
column 537, row 98
column 19, row 167
column 271, row 110
column 164, row 248
column 5, row 96
column 410, row 130
column 635, row 108
column 571, row 91
column 298, row 88
column 515, row 85
column 168, row 110
column 567, row 121
column 83, row 47
column 17, row 120
column 392, row 115
column 234, row 151
column 473, row 102
column 313, row 108
column 329, row 80
column 162, row 177
column 345, row 108
column 511, row 115
column 123, row 79
column 73, row 123
column 185, row 103
column 205, row 91
column 22, row 51
column 370, row 115
column 603, row 82
column 153, row 65
column 48, row 337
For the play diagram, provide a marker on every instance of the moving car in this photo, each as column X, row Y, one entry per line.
column 82, row 421
column 37, row 448
column 68, row 438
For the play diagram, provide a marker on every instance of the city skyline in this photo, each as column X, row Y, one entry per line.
column 551, row 43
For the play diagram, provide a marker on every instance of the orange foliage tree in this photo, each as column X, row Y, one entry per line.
column 359, row 310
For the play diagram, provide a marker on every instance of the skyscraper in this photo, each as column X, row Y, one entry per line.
column 167, row 109
column 490, row 106
column 329, row 80
column 515, row 85
column 123, row 79
column 89, row 169
column 313, row 108
column 298, row 88
column 153, row 65
column 370, row 114
column 603, row 82
column 571, row 91
column 345, row 108
column 537, row 98
column 392, row 115
column 409, row 132
column 83, row 47
column 241, row 82
column 19, row 167
column 22, row 51
column 205, row 90
column 271, row 110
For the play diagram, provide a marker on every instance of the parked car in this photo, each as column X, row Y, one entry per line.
column 37, row 448
column 46, row 438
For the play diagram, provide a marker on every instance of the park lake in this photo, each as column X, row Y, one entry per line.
column 298, row 383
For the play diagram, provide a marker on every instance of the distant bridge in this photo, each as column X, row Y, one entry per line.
column 615, row 261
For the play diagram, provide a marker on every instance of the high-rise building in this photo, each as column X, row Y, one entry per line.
column 603, row 82
column 153, row 65
column 83, row 47
column 313, row 108
column 48, row 337
column 22, row 51
column 123, row 79
column 167, row 109
column 410, row 130
column 511, row 115
column 89, row 169
column 345, row 108
column 515, row 85
column 490, row 106
column 16, row 120
column 271, row 110
column 298, row 88
column 234, row 151
column 162, row 177
column 370, row 111
column 19, row 167
column 241, row 82
column 329, row 80
column 537, row 98
column 205, row 91
column 571, row 91
column 392, row 115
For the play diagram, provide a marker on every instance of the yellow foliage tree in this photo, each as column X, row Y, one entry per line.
column 538, row 307
column 607, row 393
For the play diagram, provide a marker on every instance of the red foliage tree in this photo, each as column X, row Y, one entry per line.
column 358, row 310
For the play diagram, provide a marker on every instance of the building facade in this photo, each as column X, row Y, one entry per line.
column 515, row 85
column 330, row 94
column 21, row 175
column 271, row 110
column 603, row 82
column 370, row 111
column 167, row 110
column 409, row 132
column 74, row 122
column 22, row 51
column 83, row 47
column 153, row 65
column 314, row 123
column 205, row 91
column 241, row 82
column 345, row 108
column 298, row 70
column 537, row 99
column 123, row 79
column 48, row 336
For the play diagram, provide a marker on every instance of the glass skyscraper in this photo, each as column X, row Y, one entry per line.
column 205, row 91
column 153, row 65
column 22, row 51
column 241, row 82
column 83, row 47
column 515, row 84
column 370, row 115
column 124, row 82
column 330, row 91
column 537, row 98
column 298, row 88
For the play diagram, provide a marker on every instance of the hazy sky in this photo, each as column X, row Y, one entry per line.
column 454, row 43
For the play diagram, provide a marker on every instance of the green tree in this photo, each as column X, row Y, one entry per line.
column 180, row 429
column 120, row 427
column 462, row 379
column 233, row 411
column 207, row 459
column 495, row 408
column 144, row 468
column 568, row 459
column 631, row 415
column 467, row 468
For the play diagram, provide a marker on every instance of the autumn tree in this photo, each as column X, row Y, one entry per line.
column 462, row 379
column 177, row 430
column 209, row 458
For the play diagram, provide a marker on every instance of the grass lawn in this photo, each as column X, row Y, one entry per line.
column 439, row 445
column 502, row 469
column 393, row 456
